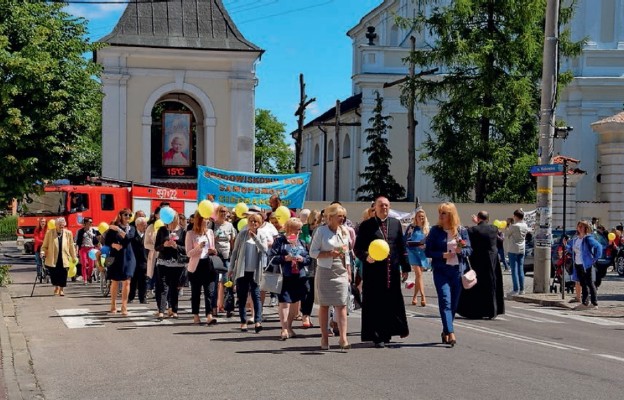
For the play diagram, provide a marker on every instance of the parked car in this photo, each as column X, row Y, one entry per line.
column 529, row 251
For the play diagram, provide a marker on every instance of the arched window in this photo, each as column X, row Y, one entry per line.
column 317, row 155
column 394, row 36
column 330, row 151
column 346, row 147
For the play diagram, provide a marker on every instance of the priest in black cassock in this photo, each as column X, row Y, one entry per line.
column 486, row 298
column 383, row 309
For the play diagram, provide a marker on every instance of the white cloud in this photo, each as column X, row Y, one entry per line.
column 313, row 110
column 95, row 11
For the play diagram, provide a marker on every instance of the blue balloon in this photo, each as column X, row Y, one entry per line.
column 167, row 214
column 93, row 254
column 105, row 250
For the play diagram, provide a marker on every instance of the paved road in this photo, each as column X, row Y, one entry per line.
column 79, row 352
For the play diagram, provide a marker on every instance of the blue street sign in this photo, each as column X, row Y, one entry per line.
column 547, row 170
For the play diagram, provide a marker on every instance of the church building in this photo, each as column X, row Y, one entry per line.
column 179, row 82
column 378, row 48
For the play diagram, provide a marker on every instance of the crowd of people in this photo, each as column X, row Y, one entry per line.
column 321, row 257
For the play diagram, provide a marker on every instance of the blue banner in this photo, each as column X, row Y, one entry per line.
column 232, row 187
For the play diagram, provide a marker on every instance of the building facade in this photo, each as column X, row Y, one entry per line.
column 179, row 82
column 594, row 94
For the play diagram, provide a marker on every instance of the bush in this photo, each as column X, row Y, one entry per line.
column 5, row 277
column 8, row 227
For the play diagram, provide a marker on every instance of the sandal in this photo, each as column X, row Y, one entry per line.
column 414, row 301
column 307, row 325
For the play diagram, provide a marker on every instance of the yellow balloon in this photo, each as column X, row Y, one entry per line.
column 241, row 224
column 496, row 223
column 282, row 214
column 503, row 225
column 379, row 250
column 131, row 218
column 158, row 224
column 241, row 209
column 102, row 227
column 205, row 208
column 73, row 270
column 611, row 236
column 51, row 224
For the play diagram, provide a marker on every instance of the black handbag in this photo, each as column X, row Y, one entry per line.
column 218, row 265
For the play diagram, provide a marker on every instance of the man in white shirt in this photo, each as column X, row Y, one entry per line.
column 517, row 236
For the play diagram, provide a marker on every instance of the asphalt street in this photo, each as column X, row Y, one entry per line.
column 78, row 351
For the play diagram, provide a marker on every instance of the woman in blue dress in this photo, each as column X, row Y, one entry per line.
column 415, row 237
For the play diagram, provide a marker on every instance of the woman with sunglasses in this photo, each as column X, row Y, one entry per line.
column 38, row 236
column 119, row 238
column 448, row 246
column 87, row 238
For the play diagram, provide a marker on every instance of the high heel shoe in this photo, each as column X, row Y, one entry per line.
column 258, row 328
column 344, row 346
column 444, row 338
column 414, row 302
column 423, row 303
column 451, row 339
column 284, row 336
column 324, row 345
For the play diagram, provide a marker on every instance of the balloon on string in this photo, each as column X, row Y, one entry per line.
column 93, row 254
column 611, row 236
column 102, row 227
column 378, row 250
column 104, row 251
column 503, row 225
column 167, row 215
column 241, row 209
column 241, row 224
column 158, row 224
column 282, row 214
column 132, row 217
column 205, row 208
column 497, row 223
column 51, row 224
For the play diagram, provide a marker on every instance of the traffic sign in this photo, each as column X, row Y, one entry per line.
column 547, row 170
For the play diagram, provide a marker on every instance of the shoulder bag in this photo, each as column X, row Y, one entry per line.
column 272, row 280
column 217, row 264
column 469, row 278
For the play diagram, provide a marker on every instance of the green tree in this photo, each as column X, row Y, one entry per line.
column 377, row 175
column 273, row 155
column 50, row 99
column 490, row 54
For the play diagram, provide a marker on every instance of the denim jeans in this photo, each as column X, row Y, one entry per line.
column 39, row 263
column 501, row 256
column 244, row 286
column 447, row 281
column 516, row 262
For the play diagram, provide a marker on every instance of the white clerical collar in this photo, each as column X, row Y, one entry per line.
column 382, row 220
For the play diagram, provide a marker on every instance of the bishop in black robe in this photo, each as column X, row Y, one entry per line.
column 383, row 307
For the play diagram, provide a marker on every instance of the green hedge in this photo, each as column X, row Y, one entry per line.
column 8, row 226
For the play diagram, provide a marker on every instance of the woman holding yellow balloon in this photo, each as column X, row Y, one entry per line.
column 330, row 248
column 58, row 251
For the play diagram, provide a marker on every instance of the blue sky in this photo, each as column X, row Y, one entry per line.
column 299, row 36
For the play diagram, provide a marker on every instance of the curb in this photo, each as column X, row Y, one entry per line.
column 17, row 365
column 541, row 302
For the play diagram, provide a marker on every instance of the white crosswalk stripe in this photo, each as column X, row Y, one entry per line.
column 574, row 316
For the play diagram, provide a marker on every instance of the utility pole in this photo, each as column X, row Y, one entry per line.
column 411, row 120
column 543, row 223
column 300, row 114
column 336, row 124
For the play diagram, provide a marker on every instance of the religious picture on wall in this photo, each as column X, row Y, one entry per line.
column 176, row 138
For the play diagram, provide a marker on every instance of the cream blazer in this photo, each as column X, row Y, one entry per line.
column 50, row 248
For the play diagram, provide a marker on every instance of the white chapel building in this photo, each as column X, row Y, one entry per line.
column 179, row 91
column 595, row 93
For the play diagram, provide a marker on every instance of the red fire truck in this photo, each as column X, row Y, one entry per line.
column 101, row 200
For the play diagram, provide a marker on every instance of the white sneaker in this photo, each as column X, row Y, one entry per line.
column 581, row 307
column 512, row 294
column 521, row 292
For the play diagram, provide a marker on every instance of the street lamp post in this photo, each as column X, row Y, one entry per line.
column 543, row 234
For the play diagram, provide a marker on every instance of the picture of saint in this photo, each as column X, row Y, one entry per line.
column 176, row 135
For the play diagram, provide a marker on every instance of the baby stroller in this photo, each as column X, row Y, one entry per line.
column 563, row 273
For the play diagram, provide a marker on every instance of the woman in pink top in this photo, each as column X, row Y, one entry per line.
column 200, row 244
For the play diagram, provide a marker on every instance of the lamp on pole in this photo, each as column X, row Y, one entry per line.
column 543, row 234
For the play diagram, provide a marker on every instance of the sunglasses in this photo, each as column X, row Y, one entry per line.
column 126, row 215
column 87, row 222
column 443, row 213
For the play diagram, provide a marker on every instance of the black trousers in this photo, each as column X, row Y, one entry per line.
column 167, row 287
column 138, row 282
column 203, row 277
column 587, row 284
column 308, row 299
